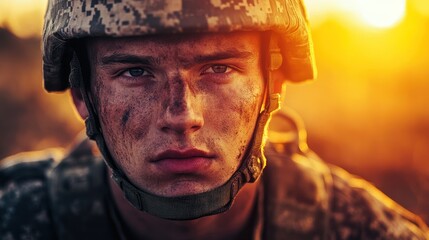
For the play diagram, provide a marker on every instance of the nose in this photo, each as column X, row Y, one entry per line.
column 181, row 112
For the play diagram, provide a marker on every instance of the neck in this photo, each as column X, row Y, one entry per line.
column 231, row 224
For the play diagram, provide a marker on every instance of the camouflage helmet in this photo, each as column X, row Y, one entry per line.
column 66, row 20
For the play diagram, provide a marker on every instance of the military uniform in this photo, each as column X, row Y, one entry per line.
column 300, row 197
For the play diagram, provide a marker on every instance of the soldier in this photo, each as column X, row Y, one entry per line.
column 178, row 96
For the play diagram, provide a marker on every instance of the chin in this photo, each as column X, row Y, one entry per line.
column 183, row 188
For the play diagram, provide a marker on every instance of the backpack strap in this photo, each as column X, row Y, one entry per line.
column 78, row 193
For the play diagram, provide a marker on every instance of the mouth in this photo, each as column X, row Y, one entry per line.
column 190, row 161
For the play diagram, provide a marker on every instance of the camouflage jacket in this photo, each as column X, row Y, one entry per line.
column 303, row 198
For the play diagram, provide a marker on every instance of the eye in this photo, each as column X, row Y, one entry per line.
column 217, row 69
column 136, row 72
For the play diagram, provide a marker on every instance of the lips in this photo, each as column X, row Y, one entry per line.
column 182, row 162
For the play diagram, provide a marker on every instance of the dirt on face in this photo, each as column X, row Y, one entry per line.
column 178, row 113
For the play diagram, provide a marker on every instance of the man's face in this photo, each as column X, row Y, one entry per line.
column 177, row 111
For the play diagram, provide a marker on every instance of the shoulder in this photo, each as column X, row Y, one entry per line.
column 306, row 195
column 39, row 190
column 359, row 210
column 24, row 209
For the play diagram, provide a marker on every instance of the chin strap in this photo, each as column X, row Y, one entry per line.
column 199, row 205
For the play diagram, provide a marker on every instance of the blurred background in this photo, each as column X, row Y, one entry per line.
column 367, row 112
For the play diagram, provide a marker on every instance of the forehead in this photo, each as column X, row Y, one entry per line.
column 186, row 43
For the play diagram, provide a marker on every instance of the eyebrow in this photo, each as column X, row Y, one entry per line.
column 227, row 54
column 149, row 60
column 127, row 58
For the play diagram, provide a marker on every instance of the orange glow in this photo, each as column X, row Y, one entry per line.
column 364, row 71
column 421, row 6
column 371, row 71
column 23, row 17
column 367, row 112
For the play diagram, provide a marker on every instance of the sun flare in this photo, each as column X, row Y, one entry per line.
column 373, row 13
column 381, row 13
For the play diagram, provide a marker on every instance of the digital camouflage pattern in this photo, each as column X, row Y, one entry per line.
column 24, row 209
column 52, row 199
column 73, row 19
column 301, row 198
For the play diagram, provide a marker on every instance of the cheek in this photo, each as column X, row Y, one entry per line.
column 245, row 104
column 237, row 114
column 125, row 116
column 248, row 107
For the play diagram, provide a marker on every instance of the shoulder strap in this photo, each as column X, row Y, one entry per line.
column 297, row 193
column 78, row 194
column 297, row 184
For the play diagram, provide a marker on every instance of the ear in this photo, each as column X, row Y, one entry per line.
column 79, row 103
